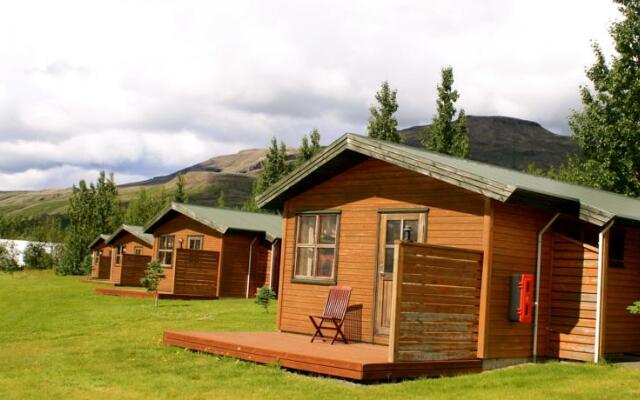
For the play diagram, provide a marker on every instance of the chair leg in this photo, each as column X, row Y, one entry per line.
column 338, row 325
column 318, row 328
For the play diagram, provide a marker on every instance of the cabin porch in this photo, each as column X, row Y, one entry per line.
column 355, row 361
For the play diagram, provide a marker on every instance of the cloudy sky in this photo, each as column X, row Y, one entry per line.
column 144, row 88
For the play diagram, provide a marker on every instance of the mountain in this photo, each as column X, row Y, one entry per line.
column 504, row 141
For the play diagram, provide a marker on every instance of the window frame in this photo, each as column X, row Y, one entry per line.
column 199, row 238
column 162, row 250
column 119, row 254
column 137, row 250
column 312, row 279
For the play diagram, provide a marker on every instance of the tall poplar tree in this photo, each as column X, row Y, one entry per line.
column 447, row 134
column 274, row 167
column 108, row 210
column 81, row 231
column 308, row 150
column 607, row 130
column 180, row 194
column 382, row 123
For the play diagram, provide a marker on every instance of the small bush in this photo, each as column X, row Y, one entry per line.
column 152, row 277
column 264, row 297
column 8, row 258
column 634, row 308
column 36, row 256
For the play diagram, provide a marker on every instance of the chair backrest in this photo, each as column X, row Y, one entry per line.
column 337, row 302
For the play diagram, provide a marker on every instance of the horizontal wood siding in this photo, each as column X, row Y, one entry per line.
column 455, row 218
column 622, row 329
column 436, row 303
column 514, row 247
column 130, row 242
column 101, row 262
column 132, row 269
column 196, row 272
column 236, row 264
column 571, row 329
column 182, row 227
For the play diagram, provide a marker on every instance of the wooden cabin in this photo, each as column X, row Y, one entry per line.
column 100, row 258
column 212, row 252
column 450, row 261
column 131, row 251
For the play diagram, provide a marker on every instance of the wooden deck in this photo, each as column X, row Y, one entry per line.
column 105, row 282
column 142, row 293
column 355, row 361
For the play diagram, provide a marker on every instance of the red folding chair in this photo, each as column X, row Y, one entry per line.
column 334, row 314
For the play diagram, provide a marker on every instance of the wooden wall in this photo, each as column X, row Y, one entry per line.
column 436, row 292
column 181, row 227
column 132, row 269
column 455, row 218
column 196, row 273
column 572, row 300
column 622, row 329
column 513, row 250
column 235, row 267
column 130, row 242
column 101, row 266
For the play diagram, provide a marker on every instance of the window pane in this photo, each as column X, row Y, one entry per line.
column 304, row 261
column 195, row 243
column 307, row 231
column 170, row 242
column 324, row 266
column 393, row 231
column 328, row 225
column 388, row 259
column 413, row 225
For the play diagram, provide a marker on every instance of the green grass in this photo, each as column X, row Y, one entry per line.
column 59, row 340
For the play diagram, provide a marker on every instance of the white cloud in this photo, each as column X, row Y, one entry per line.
column 55, row 177
column 147, row 87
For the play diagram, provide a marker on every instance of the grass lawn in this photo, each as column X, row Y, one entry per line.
column 60, row 340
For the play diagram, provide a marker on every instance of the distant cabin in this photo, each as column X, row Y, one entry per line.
column 131, row 251
column 447, row 258
column 100, row 258
column 212, row 252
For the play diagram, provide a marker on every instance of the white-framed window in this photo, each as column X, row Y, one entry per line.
column 316, row 246
column 137, row 250
column 119, row 253
column 194, row 242
column 165, row 250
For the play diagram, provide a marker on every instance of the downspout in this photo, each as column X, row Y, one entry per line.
column 249, row 267
column 599, row 288
column 536, row 302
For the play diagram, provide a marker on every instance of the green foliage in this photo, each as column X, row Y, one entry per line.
column 382, row 123
column 152, row 277
column 8, row 258
column 45, row 228
column 145, row 206
column 264, row 297
column 607, row 130
column 307, row 151
column 36, row 256
column 634, row 308
column 180, row 195
column 221, row 199
column 275, row 167
column 447, row 134
column 93, row 209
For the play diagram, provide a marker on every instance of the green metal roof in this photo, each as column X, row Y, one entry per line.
column 591, row 205
column 222, row 219
column 135, row 230
column 102, row 237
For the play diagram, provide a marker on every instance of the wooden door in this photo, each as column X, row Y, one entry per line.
column 391, row 229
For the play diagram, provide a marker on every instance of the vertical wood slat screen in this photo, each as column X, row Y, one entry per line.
column 436, row 300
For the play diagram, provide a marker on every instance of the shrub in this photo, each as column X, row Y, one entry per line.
column 264, row 297
column 36, row 256
column 634, row 308
column 8, row 258
column 152, row 277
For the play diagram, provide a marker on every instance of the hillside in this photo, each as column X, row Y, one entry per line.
column 504, row 141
